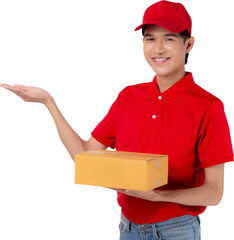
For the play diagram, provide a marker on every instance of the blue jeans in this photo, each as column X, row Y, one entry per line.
column 186, row 227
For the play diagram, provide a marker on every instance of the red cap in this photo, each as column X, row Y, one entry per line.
column 170, row 15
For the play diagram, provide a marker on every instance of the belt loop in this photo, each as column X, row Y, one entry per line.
column 128, row 226
column 140, row 231
column 126, row 222
column 154, row 231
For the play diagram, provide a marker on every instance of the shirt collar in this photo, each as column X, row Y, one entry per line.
column 175, row 91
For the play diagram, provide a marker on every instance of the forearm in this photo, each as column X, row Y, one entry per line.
column 71, row 140
column 209, row 194
column 204, row 195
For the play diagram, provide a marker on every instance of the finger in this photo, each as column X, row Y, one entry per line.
column 4, row 85
column 8, row 87
column 16, row 88
column 20, row 87
column 119, row 189
column 115, row 189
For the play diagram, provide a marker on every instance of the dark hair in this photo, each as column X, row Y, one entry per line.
column 185, row 35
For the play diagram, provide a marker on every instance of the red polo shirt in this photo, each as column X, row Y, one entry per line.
column 184, row 122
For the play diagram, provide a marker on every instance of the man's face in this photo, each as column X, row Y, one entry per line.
column 164, row 50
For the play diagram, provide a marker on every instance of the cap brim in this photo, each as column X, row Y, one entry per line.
column 165, row 24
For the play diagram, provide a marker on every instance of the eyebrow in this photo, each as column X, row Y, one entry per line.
column 165, row 35
column 171, row 35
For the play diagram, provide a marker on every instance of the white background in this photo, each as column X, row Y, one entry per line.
column 84, row 53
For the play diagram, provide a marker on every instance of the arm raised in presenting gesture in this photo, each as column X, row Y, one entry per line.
column 71, row 140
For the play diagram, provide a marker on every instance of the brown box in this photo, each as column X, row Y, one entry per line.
column 119, row 169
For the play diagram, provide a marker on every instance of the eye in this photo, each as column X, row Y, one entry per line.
column 150, row 39
column 169, row 39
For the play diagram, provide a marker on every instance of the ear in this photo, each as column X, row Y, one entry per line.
column 189, row 44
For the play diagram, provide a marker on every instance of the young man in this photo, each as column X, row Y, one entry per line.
column 171, row 115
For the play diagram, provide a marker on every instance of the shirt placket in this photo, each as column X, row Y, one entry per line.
column 154, row 114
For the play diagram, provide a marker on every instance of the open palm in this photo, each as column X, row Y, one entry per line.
column 29, row 94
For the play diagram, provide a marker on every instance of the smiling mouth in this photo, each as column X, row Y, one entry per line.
column 160, row 60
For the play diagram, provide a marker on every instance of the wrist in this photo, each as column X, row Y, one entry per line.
column 49, row 102
column 161, row 195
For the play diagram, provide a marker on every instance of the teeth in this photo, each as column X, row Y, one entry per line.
column 160, row 59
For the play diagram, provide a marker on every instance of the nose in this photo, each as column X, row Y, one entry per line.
column 159, row 48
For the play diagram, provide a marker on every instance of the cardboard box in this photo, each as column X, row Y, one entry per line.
column 118, row 169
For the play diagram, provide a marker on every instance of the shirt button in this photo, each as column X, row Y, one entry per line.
column 159, row 97
column 154, row 116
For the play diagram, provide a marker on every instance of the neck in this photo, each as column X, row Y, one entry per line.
column 165, row 82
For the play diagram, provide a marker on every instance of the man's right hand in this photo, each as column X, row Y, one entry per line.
column 71, row 140
column 29, row 94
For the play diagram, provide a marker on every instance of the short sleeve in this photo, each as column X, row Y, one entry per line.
column 105, row 131
column 214, row 140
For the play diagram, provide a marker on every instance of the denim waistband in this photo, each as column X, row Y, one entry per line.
column 177, row 221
